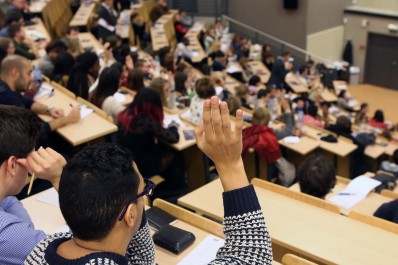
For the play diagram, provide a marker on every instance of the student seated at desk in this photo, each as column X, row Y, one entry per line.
column 158, row 10
column 23, row 46
column 141, row 130
column 109, row 226
column 219, row 62
column 254, row 84
column 63, row 64
column 343, row 100
column 280, row 69
column 316, row 176
column 391, row 167
column 21, row 7
column 263, row 139
column 218, row 79
column 83, row 74
column 17, row 233
column 10, row 17
column 53, row 49
column 135, row 80
column 139, row 29
column 263, row 96
column 180, row 29
column 268, row 60
column 146, row 68
column 16, row 78
column 204, row 89
column 234, row 104
column 361, row 117
column 164, row 88
column 210, row 38
column 311, row 117
column 388, row 211
column 243, row 93
column 102, row 96
column 71, row 40
column 182, row 52
column 7, row 45
column 107, row 19
column 378, row 120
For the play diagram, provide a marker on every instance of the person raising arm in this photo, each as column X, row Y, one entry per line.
column 247, row 238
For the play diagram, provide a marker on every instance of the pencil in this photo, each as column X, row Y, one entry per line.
column 31, row 183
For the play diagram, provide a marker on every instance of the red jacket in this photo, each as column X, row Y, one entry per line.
column 264, row 142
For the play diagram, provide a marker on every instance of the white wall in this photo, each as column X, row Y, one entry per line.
column 391, row 5
column 328, row 43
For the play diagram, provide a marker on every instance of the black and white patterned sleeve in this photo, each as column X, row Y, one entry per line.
column 141, row 249
column 246, row 236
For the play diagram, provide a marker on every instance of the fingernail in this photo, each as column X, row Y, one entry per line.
column 223, row 105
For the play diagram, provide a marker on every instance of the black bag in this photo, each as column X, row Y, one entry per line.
column 387, row 182
column 365, row 139
column 173, row 239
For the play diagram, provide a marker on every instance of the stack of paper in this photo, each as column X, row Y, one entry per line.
column 355, row 192
column 45, row 90
column 205, row 252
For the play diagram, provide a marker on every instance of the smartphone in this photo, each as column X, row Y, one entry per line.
column 157, row 218
column 189, row 134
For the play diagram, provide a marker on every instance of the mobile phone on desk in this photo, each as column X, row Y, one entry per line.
column 157, row 218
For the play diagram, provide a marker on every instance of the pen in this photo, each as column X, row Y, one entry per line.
column 345, row 193
column 31, row 183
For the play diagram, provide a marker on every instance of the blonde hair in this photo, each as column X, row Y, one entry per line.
column 261, row 116
column 157, row 84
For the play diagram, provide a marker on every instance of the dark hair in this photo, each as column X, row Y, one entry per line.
column 254, row 80
column 379, row 116
column 135, row 80
column 262, row 93
column 312, row 110
column 395, row 156
column 147, row 102
column 179, row 79
column 343, row 121
column 364, row 105
column 3, row 54
column 78, row 82
column 5, row 42
column 22, row 126
column 158, row 84
column 12, row 16
column 342, row 94
column 302, row 69
column 13, row 28
column 316, row 176
column 70, row 29
column 57, row 46
column 219, row 54
column 204, row 88
column 108, row 84
column 113, row 40
column 325, row 103
column 285, row 54
column 62, row 65
column 95, row 185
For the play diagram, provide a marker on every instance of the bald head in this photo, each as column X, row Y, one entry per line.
column 16, row 72
column 12, row 62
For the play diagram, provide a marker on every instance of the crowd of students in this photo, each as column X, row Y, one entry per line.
column 93, row 175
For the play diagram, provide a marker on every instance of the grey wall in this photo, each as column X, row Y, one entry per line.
column 359, row 35
column 325, row 14
column 270, row 17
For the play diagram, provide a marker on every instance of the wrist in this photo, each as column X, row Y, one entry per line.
column 232, row 175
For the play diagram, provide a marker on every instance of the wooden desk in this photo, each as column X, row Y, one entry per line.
column 295, row 83
column 328, row 96
column 48, row 218
column 163, row 32
column 89, row 128
column 304, row 147
column 83, row 15
column 367, row 206
column 258, row 68
column 37, row 6
column 88, row 41
column 319, row 235
column 341, row 148
column 36, row 32
column 194, row 45
column 339, row 85
column 390, row 148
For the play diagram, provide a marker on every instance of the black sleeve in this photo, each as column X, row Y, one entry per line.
column 169, row 135
column 387, row 210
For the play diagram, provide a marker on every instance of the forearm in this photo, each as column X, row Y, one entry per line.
column 232, row 176
column 39, row 108
column 58, row 123
column 247, row 239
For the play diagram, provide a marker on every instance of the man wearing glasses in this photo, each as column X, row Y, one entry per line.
column 101, row 198
column 19, row 129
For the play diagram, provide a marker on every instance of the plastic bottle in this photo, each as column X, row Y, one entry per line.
column 37, row 76
column 300, row 118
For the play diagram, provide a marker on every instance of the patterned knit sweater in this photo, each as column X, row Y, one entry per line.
column 247, row 239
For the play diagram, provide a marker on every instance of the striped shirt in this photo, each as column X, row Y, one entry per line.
column 17, row 234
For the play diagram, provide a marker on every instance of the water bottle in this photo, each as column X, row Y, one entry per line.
column 300, row 118
column 37, row 76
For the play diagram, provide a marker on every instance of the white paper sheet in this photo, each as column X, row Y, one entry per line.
column 204, row 252
column 119, row 97
column 233, row 69
column 170, row 118
column 102, row 22
column 84, row 112
column 355, row 192
column 50, row 196
column 291, row 139
column 194, row 54
column 45, row 90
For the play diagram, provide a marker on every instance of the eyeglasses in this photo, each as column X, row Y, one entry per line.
column 148, row 190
